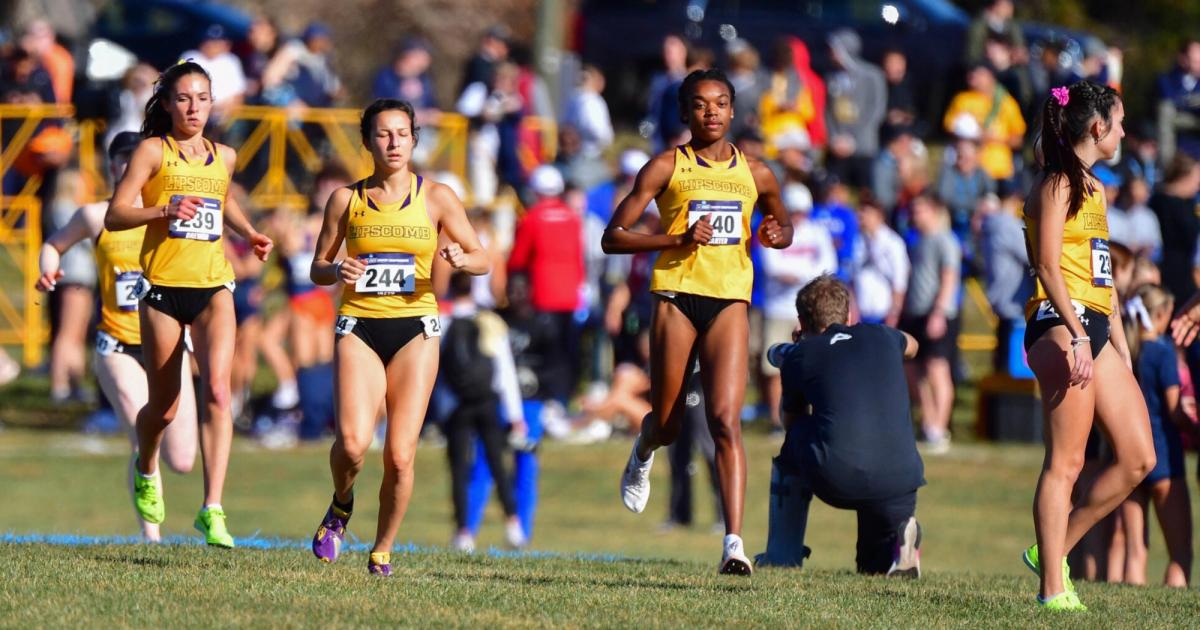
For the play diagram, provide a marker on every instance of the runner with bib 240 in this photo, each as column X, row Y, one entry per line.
column 387, row 327
column 706, row 191
column 184, row 178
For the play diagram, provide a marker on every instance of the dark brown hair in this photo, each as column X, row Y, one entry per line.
column 1064, row 126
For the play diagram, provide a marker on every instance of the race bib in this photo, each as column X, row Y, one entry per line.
column 344, row 325
column 387, row 274
column 433, row 326
column 205, row 226
column 1101, row 264
column 106, row 344
column 726, row 219
column 127, row 290
column 1046, row 310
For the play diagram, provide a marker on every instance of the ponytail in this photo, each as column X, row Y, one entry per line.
column 158, row 120
column 1066, row 115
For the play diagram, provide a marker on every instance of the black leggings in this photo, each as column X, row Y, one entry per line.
column 467, row 421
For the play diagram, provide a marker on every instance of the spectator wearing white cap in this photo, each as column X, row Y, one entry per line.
column 224, row 68
column 548, row 247
column 810, row 255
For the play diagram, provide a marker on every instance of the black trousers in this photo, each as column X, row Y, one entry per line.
column 879, row 522
column 467, row 421
column 693, row 435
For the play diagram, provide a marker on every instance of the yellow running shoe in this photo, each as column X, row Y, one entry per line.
column 1030, row 557
column 1063, row 602
column 147, row 497
column 211, row 522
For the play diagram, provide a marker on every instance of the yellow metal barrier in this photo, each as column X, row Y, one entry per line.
column 21, row 314
column 279, row 148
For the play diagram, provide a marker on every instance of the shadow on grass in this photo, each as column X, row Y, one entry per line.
column 624, row 582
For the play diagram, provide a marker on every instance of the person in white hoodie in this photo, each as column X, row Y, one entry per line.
column 881, row 266
column 810, row 255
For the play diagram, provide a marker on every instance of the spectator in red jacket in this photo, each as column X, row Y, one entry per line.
column 548, row 247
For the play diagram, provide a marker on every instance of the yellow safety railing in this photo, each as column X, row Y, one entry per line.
column 21, row 315
column 278, row 148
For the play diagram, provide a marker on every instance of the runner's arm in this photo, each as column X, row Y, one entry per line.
column 326, row 269
column 776, row 229
column 465, row 252
column 85, row 223
column 124, row 213
column 651, row 181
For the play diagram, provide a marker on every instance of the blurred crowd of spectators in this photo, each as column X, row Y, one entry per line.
column 905, row 204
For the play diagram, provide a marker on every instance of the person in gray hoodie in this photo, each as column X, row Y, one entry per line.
column 857, row 98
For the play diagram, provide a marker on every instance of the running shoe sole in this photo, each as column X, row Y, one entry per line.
column 908, row 561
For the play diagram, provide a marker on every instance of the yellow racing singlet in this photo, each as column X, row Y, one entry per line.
column 118, row 269
column 396, row 241
column 1085, row 262
column 725, row 190
column 187, row 253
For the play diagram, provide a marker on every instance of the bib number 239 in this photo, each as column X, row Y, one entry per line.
column 206, row 225
column 726, row 218
column 387, row 274
column 1101, row 264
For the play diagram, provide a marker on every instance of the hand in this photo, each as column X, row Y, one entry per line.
column 184, row 208
column 770, row 234
column 453, row 254
column 262, row 245
column 935, row 326
column 700, row 233
column 1187, row 323
column 1081, row 371
column 350, row 269
column 49, row 280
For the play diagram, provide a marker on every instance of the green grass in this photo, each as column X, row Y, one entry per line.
column 975, row 515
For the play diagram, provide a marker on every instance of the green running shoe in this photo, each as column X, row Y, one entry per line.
column 147, row 497
column 1063, row 602
column 211, row 522
column 1034, row 563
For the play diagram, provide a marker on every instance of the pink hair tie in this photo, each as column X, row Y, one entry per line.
column 1062, row 95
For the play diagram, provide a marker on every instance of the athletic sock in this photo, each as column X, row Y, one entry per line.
column 347, row 507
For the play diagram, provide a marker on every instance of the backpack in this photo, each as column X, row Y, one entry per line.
column 467, row 371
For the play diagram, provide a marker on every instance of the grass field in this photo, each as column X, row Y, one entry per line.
column 604, row 566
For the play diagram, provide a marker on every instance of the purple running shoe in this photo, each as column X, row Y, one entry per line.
column 380, row 564
column 327, row 542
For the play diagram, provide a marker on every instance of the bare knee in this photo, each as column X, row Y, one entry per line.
column 352, row 448
column 1064, row 469
column 399, row 461
column 217, row 394
column 724, row 424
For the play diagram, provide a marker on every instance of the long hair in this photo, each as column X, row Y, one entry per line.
column 1148, row 301
column 1064, row 126
column 158, row 119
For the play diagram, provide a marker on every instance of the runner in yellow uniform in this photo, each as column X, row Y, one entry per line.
column 1074, row 339
column 392, row 223
column 118, row 352
column 187, row 281
column 706, row 191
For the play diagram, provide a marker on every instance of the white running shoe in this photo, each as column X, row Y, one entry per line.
column 907, row 562
column 635, row 481
column 514, row 535
column 733, row 558
column 463, row 542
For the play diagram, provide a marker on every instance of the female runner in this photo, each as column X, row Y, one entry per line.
column 387, row 349
column 1073, row 317
column 118, row 356
column 706, row 191
column 187, row 280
